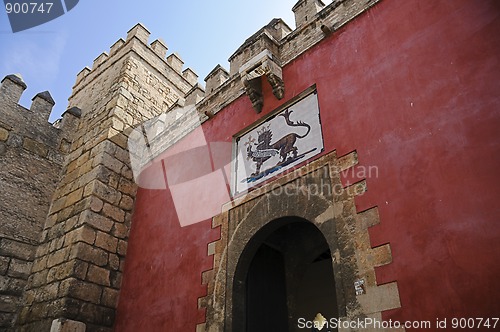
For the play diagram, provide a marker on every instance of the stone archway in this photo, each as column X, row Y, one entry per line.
column 314, row 193
column 285, row 273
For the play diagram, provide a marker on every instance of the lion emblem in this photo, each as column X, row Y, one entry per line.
column 284, row 147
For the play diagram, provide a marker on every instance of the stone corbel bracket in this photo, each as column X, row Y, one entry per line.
column 263, row 64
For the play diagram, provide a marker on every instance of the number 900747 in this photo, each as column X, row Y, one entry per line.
column 28, row 7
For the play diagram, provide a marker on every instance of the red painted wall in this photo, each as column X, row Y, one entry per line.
column 414, row 87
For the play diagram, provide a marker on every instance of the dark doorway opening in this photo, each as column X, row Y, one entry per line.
column 284, row 274
column 266, row 291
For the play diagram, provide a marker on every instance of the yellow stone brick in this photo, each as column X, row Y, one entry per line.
column 106, row 242
column 74, row 197
column 35, row 147
column 4, row 134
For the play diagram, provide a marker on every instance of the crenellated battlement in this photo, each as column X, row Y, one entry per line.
column 37, row 116
column 262, row 54
column 28, row 128
column 273, row 47
column 155, row 54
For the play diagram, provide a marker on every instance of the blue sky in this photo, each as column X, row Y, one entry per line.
column 204, row 33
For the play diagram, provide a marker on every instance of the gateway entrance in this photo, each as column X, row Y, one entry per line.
column 285, row 273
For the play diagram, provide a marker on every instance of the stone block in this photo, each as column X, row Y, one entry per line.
column 119, row 139
column 356, row 189
column 109, row 161
column 110, row 297
column 347, row 161
column 48, row 292
column 83, row 234
column 96, row 221
column 122, row 155
column 122, row 247
column 211, row 249
column 11, row 285
column 12, row 88
column 89, row 254
column 98, row 315
column 81, row 290
column 127, row 187
column 127, row 173
column 113, row 212
column 74, row 197
column 98, row 275
column 116, row 279
column 8, row 303
column 4, row 134
column 71, row 223
column 4, row 265
column 38, row 279
column 106, row 242
column 128, row 219
column 86, row 167
column 15, row 140
column 58, row 205
column 368, row 218
column 120, row 231
column 380, row 298
column 38, row 311
column 114, row 262
column 127, row 203
column 39, row 264
column 113, row 180
column 96, row 204
column 102, row 191
column 17, row 249
column 35, row 147
column 105, row 146
column 80, row 269
column 175, row 61
column 117, row 124
column 381, row 255
column 19, row 268
column 99, row 60
column 67, row 325
column 57, row 257
column 60, row 272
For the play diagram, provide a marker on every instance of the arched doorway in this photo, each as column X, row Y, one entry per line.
column 284, row 274
column 323, row 214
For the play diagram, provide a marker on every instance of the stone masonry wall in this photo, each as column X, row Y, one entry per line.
column 78, row 266
column 31, row 156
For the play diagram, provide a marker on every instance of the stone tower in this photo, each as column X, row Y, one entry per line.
column 77, row 268
column 32, row 153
